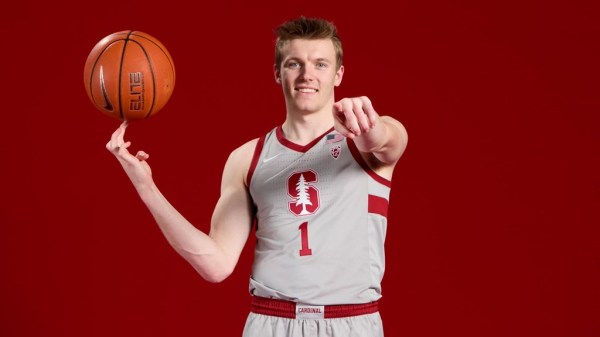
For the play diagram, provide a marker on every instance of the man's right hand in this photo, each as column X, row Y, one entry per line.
column 136, row 167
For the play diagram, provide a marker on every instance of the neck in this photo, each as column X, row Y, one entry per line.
column 302, row 129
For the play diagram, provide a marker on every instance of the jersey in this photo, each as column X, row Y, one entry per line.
column 321, row 216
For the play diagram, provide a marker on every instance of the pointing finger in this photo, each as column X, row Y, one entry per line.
column 121, row 136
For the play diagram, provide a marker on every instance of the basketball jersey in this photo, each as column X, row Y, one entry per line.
column 321, row 221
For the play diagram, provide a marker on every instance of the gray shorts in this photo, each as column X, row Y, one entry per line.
column 259, row 325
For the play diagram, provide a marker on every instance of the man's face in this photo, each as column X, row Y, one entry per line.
column 308, row 74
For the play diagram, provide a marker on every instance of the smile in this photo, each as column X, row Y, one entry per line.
column 306, row 90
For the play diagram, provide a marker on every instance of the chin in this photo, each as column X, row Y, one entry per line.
column 306, row 109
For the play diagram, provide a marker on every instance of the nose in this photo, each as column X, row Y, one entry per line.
column 306, row 74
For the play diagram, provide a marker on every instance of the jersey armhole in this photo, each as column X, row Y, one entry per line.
column 254, row 162
column 361, row 161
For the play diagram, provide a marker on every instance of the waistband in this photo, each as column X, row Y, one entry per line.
column 293, row 310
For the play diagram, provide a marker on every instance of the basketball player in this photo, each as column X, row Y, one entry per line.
column 318, row 186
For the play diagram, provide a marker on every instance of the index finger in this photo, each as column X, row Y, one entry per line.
column 121, row 134
column 117, row 138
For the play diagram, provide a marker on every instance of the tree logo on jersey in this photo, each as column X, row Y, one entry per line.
column 304, row 194
column 335, row 151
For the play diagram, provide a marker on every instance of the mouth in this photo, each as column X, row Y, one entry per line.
column 306, row 90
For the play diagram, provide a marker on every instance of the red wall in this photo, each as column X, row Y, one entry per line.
column 494, row 207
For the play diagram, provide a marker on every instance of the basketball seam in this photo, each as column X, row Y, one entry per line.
column 169, row 58
column 121, row 74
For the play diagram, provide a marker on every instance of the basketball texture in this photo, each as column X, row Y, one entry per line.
column 129, row 75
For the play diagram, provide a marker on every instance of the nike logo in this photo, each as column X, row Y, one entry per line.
column 266, row 160
column 107, row 104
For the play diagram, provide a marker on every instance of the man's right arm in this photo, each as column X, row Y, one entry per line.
column 213, row 256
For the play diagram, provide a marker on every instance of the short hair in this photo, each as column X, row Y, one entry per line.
column 307, row 28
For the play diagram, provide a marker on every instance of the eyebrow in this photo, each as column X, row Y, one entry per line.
column 320, row 59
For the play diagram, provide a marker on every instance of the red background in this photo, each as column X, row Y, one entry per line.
column 494, row 216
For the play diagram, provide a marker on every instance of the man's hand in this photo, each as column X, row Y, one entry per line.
column 136, row 167
column 382, row 136
column 354, row 116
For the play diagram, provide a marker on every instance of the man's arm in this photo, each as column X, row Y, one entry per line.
column 214, row 256
column 382, row 136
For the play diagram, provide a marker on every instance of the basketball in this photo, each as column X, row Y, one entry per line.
column 129, row 75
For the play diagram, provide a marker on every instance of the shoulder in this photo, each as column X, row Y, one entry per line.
column 245, row 150
column 240, row 159
column 243, row 154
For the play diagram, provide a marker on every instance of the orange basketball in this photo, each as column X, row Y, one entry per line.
column 129, row 75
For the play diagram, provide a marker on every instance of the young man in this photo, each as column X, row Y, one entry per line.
column 318, row 186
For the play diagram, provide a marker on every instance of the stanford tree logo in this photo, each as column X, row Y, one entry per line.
column 305, row 196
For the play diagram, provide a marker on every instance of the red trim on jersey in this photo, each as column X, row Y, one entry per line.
column 361, row 161
column 300, row 148
column 378, row 205
column 254, row 162
column 287, row 309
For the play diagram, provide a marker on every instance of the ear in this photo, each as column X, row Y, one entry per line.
column 339, row 74
column 277, row 74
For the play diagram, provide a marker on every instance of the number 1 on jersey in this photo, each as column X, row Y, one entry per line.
column 304, row 239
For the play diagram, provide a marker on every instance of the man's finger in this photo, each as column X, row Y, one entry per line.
column 362, row 118
column 370, row 111
column 141, row 155
column 351, row 122
column 121, row 133
column 341, row 128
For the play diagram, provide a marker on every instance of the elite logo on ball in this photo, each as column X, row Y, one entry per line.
column 136, row 91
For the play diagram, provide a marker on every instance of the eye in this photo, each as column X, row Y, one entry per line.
column 293, row 64
column 321, row 65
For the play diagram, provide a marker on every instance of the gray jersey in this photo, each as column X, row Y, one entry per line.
column 321, row 221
